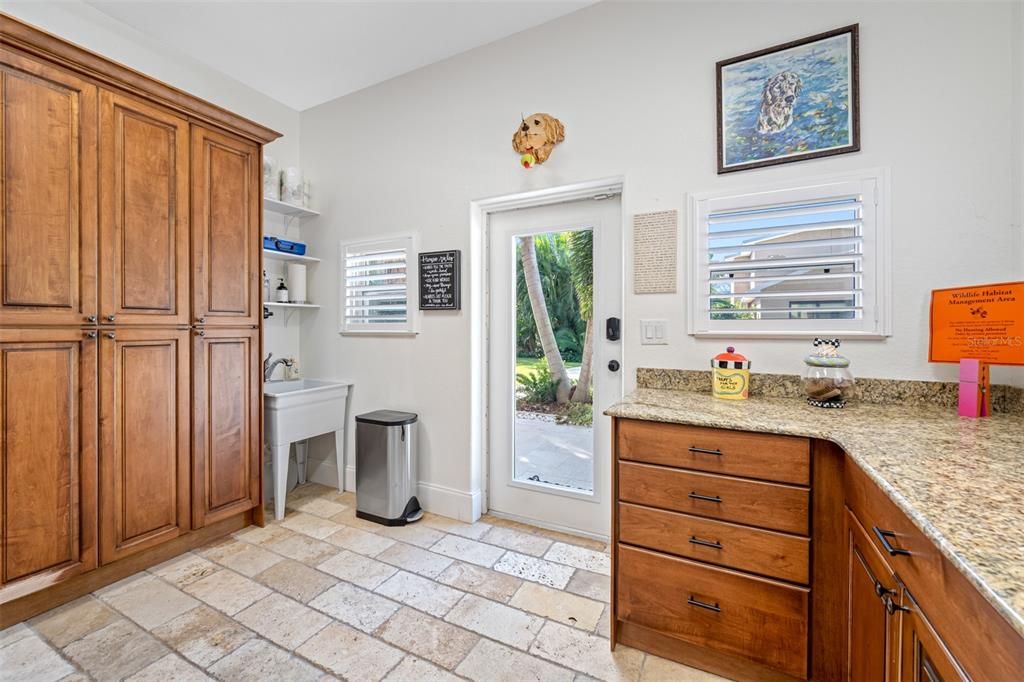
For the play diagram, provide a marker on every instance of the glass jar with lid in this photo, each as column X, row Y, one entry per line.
column 827, row 379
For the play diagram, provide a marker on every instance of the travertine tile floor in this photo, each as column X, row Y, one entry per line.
column 323, row 595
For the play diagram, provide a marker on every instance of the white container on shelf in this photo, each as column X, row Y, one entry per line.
column 297, row 282
column 291, row 186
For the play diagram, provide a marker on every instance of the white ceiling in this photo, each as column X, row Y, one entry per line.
column 306, row 53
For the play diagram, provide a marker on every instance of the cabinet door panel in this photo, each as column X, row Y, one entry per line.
column 226, row 231
column 924, row 656
column 226, row 424
column 144, row 456
column 143, row 213
column 47, row 458
column 872, row 634
column 48, row 197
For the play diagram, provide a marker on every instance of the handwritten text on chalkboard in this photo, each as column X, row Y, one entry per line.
column 439, row 280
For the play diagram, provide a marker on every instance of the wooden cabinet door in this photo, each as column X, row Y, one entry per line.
column 47, row 457
column 47, row 195
column 144, row 213
column 144, row 439
column 226, row 229
column 872, row 632
column 923, row 655
column 226, row 407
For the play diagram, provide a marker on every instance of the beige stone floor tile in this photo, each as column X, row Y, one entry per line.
column 318, row 506
column 14, row 633
column 357, row 569
column 413, row 534
column 147, row 600
column 203, row 635
column 76, row 677
column 258, row 660
column 587, row 653
column 349, row 518
column 65, row 624
column 590, row 585
column 660, row 670
column 282, row 620
column 350, row 654
column 534, row 569
column 415, row 560
column 473, row 531
column 308, row 524
column 241, row 556
column 227, row 591
column 309, row 551
column 30, row 658
column 427, row 637
column 185, row 569
column 524, row 543
column 296, row 580
column 420, row 593
column 604, row 624
column 493, row 662
column 360, row 541
column 575, row 540
column 170, row 668
column 262, row 536
column 355, row 606
column 117, row 651
column 580, row 557
column 468, row 550
column 413, row 669
column 494, row 620
column 480, row 581
column 559, row 606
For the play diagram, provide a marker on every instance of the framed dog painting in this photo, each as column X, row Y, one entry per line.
column 790, row 102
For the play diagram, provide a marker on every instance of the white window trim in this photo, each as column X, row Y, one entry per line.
column 877, row 244
column 411, row 327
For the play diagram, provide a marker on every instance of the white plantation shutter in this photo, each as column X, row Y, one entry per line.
column 375, row 289
column 794, row 261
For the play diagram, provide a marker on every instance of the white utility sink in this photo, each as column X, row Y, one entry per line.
column 296, row 410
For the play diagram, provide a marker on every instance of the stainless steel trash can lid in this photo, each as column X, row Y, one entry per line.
column 387, row 418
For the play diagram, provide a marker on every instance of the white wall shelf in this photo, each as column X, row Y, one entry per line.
column 290, row 305
column 277, row 255
column 286, row 209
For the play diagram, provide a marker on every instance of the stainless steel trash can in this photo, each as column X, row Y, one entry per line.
column 386, row 468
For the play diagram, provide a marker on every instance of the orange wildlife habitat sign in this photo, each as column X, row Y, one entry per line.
column 983, row 322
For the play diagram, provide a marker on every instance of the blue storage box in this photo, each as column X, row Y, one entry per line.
column 284, row 246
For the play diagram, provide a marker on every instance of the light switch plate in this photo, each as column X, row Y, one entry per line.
column 653, row 332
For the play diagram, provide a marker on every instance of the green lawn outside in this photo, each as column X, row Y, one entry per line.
column 530, row 366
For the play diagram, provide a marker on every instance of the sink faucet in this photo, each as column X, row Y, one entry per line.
column 269, row 367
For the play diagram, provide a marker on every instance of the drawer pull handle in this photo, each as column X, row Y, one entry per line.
column 703, row 604
column 706, row 498
column 892, row 607
column 883, row 537
column 705, row 451
column 694, row 540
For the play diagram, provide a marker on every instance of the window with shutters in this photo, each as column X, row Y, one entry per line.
column 376, row 296
column 791, row 261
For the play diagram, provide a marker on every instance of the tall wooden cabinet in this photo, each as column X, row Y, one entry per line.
column 130, row 372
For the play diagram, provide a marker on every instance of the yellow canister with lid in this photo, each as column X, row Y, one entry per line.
column 730, row 375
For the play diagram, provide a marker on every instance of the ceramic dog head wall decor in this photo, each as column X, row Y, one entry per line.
column 535, row 137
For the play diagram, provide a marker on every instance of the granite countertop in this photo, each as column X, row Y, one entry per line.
column 960, row 480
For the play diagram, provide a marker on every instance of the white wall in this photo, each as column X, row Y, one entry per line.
column 634, row 85
column 86, row 26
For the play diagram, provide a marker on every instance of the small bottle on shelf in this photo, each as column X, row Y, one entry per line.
column 282, row 292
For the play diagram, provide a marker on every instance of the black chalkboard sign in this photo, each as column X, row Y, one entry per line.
column 439, row 280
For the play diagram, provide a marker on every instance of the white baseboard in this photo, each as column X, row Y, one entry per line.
column 549, row 526
column 325, row 472
column 434, row 498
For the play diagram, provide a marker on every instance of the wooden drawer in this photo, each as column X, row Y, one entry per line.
column 736, row 453
column 767, row 505
column 749, row 549
column 977, row 635
column 755, row 618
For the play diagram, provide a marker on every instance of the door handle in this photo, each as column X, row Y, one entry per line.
column 613, row 329
column 110, row 318
column 91, row 319
column 90, row 335
column 883, row 537
column 613, row 365
column 110, row 335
